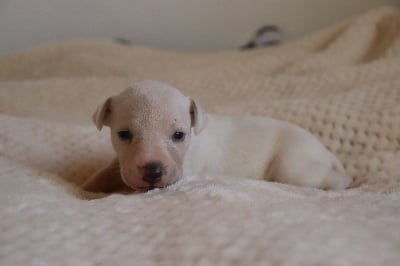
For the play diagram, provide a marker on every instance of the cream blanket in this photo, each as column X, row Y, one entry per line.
column 342, row 83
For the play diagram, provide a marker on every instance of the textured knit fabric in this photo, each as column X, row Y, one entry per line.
column 342, row 84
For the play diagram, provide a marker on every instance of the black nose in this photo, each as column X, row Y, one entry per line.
column 153, row 172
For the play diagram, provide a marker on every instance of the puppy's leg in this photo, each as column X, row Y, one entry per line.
column 107, row 179
column 325, row 172
column 336, row 178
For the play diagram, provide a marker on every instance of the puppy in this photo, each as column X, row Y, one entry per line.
column 160, row 135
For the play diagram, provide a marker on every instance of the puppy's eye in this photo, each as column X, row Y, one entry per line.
column 178, row 136
column 125, row 135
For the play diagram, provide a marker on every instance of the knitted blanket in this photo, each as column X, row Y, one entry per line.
column 342, row 84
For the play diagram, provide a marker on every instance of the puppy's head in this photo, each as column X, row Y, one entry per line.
column 151, row 125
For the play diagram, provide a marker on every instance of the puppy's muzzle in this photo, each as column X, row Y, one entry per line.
column 153, row 172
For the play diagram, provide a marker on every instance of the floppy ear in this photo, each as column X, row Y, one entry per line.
column 198, row 116
column 101, row 116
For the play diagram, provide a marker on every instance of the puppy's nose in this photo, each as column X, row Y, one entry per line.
column 152, row 172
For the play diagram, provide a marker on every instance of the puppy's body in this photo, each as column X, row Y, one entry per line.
column 234, row 147
column 263, row 148
column 160, row 135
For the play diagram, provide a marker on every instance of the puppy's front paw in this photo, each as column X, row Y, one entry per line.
column 336, row 180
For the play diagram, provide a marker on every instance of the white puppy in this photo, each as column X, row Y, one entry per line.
column 151, row 130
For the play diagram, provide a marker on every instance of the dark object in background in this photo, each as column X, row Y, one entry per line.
column 267, row 35
column 122, row 41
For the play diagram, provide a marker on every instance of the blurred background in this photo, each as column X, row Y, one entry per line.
column 183, row 25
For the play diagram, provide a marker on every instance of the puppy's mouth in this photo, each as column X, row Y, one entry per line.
column 149, row 187
column 140, row 183
column 142, row 186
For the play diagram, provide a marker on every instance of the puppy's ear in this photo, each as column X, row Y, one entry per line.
column 102, row 114
column 198, row 116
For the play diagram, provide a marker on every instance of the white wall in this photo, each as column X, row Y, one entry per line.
column 172, row 24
